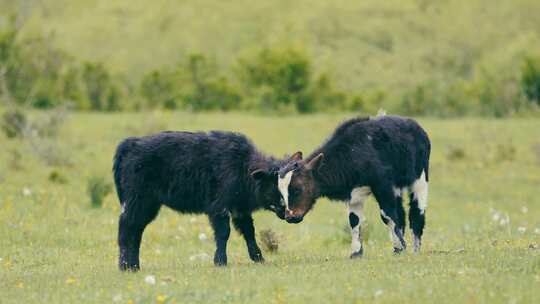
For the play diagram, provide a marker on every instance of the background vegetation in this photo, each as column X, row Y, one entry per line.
column 445, row 58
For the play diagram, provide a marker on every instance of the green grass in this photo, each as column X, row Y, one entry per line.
column 54, row 247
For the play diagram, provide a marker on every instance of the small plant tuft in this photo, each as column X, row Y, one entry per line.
column 14, row 123
column 57, row 177
column 269, row 240
column 98, row 188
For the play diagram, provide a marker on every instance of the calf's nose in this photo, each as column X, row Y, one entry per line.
column 291, row 218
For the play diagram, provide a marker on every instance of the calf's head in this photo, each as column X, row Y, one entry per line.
column 267, row 191
column 298, row 188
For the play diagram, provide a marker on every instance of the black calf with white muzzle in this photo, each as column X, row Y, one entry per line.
column 384, row 156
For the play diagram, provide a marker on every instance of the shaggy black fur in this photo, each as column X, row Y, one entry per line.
column 382, row 153
column 395, row 153
column 218, row 173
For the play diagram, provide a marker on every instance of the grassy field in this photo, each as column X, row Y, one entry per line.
column 480, row 245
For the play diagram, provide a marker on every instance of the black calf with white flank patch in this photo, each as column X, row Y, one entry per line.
column 383, row 156
column 218, row 173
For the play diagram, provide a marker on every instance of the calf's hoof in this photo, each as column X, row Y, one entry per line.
column 416, row 244
column 258, row 258
column 220, row 261
column 398, row 250
column 357, row 254
column 130, row 268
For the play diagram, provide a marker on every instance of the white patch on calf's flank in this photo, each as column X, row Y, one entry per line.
column 420, row 192
column 123, row 208
column 283, row 186
column 360, row 194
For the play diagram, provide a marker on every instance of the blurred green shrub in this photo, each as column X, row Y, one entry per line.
column 280, row 76
column 98, row 188
column 530, row 79
column 322, row 95
column 367, row 102
column 207, row 90
column 158, row 88
column 282, row 79
column 101, row 91
column 433, row 99
column 36, row 73
column 195, row 84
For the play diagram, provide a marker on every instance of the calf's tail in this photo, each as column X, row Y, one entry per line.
column 426, row 155
column 121, row 151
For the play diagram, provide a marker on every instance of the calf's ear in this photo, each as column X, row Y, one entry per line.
column 260, row 174
column 316, row 162
column 296, row 156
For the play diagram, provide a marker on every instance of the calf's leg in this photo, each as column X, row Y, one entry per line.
column 417, row 210
column 385, row 196
column 135, row 216
column 398, row 193
column 222, row 230
column 244, row 225
column 356, row 218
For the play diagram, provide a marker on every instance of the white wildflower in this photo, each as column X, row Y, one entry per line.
column 26, row 191
column 117, row 298
column 524, row 209
column 150, row 279
column 537, row 230
column 505, row 221
column 378, row 293
column 202, row 237
column 522, row 229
